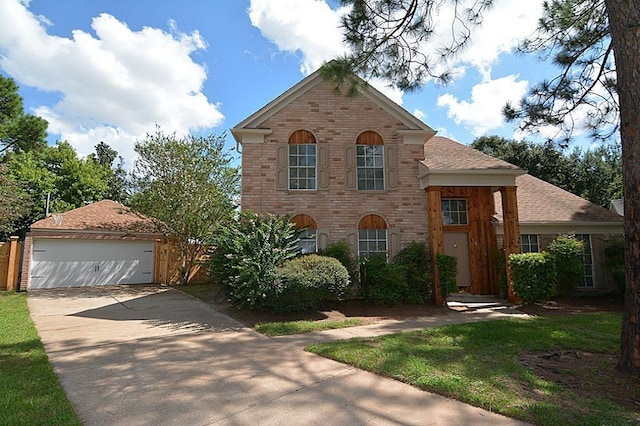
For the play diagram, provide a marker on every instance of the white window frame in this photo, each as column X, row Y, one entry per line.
column 363, row 165
column 526, row 243
column 297, row 167
column 589, row 281
column 308, row 241
column 454, row 214
column 378, row 240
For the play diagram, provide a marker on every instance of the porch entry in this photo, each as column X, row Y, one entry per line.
column 456, row 244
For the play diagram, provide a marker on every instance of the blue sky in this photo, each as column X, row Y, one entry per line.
column 111, row 70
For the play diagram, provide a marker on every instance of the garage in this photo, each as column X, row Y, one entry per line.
column 103, row 243
column 79, row 263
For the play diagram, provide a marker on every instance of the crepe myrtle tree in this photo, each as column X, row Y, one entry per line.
column 188, row 185
column 594, row 43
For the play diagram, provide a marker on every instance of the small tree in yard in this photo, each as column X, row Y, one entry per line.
column 188, row 185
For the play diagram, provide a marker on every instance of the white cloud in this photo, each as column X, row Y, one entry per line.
column 310, row 27
column 115, row 85
column 484, row 111
column 419, row 114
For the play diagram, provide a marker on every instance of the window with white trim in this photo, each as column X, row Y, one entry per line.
column 306, row 226
column 454, row 212
column 302, row 160
column 370, row 161
column 587, row 260
column 372, row 235
column 529, row 243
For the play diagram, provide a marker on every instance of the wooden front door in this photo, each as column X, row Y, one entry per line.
column 456, row 244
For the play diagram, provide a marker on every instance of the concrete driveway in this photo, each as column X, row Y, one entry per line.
column 143, row 355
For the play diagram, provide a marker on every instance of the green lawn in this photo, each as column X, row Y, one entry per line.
column 296, row 327
column 29, row 390
column 478, row 363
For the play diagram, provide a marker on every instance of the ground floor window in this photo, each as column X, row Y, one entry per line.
column 372, row 235
column 529, row 243
column 307, row 233
column 587, row 259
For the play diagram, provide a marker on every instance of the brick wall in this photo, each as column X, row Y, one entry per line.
column 336, row 121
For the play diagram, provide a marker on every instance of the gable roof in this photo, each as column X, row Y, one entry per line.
column 255, row 120
column 105, row 216
column 540, row 202
column 449, row 163
column 617, row 206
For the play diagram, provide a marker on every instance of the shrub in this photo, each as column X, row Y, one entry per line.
column 567, row 252
column 534, row 276
column 301, row 283
column 381, row 282
column 614, row 262
column 448, row 273
column 415, row 259
column 340, row 250
column 244, row 256
column 499, row 263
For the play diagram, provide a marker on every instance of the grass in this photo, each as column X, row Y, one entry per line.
column 29, row 389
column 203, row 292
column 478, row 363
column 297, row 327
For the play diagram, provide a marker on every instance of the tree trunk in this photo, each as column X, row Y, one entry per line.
column 624, row 22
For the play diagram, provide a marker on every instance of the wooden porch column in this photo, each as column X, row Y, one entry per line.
column 12, row 269
column 436, row 235
column 511, row 232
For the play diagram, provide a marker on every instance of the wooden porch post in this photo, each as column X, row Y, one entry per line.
column 436, row 235
column 511, row 232
column 12, row 269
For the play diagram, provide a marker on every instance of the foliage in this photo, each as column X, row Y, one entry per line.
column 595, row 175
column 415, row 259
column 245, row 254
column 117, row 181
column 298, row 327
column 448, row 274
column 567, row 252
column 14, row 202
column 499, row 263
column 381, row 282
column 188, row 185
column 56, row 171
column 614, row 262
column 534, row 276
column 480, row 363
column 302, row 282
column 31, row 393
column 19, row 132
column 340, row 250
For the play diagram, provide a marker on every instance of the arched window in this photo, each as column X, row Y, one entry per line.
column 308, row 238
column 302, row 160
column 370, row 161
column 372, row 235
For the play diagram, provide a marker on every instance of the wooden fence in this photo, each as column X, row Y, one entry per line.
column 168, row 264
column 10, row 264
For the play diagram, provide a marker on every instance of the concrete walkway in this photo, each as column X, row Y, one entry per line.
column 135, row 355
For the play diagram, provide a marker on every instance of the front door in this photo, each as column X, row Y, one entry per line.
column 456, row 244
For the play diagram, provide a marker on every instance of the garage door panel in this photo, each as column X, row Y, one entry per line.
column 78, row 263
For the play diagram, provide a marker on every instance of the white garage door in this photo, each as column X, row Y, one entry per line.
column 79, row 263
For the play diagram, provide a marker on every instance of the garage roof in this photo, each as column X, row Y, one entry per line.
column 105, row 215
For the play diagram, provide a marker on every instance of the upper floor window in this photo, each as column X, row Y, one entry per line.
column 529, row 243
column 370, row 161
column 307, row 233
column 372, row 235
column 454, row 212
column 302, row 160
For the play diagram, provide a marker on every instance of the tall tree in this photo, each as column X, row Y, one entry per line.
column 14, row 203
column 387, row 40
column 56, row 172
column 117, row 182
column 18, row 131
column 188, row 185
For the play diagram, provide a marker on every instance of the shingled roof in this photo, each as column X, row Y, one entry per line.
column 542, row 202
column 442, row 153
column 105, row 215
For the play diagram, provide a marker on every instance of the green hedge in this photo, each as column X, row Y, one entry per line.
column 567, row 252
column 415, row 258
column 381, row 282
column 534, row 276
column 448, row 273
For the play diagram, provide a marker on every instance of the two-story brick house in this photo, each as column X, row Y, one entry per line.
column 365, row 170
